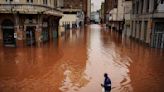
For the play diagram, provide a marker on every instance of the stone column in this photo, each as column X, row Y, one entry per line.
column 139, row 7
column 1, row 36
column 134, row 28
column 144, row 6
column 135, row 7
column 0, row 33
column 38, row 31
column 131, row 28
column 142, row 30
column 137, row 30
column 151, row 6
column 18, row 32
column 50, row 26
column 58, row 20
column 149, row 31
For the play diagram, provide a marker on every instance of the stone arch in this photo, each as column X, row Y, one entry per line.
column 7, row 23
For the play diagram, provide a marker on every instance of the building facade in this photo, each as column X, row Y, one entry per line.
column 148, row 22
column 116, row 15
column 95, row 17
column 127, row 4
column 76, row 13
column 77, row 4
column 28, row 22
column 108, row 6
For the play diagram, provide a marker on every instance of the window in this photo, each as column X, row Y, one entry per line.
column 45, row 2
column 9, row 1
column 29, row 1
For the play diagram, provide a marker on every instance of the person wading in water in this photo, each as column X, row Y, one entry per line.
column 107, row 83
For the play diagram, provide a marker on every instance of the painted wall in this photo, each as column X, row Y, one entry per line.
column 113, row 15
column 68, row 18
column 120, row 10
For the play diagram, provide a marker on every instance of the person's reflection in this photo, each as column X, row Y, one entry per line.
column 107, row 83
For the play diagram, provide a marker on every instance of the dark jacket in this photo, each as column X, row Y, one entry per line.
column 107, row 84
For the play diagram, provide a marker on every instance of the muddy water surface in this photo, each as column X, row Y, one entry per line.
column 77, row 61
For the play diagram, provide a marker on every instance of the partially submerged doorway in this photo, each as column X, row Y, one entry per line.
column 8, row 33
column 30, row 35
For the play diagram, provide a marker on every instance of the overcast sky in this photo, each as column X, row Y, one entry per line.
column 97, row 4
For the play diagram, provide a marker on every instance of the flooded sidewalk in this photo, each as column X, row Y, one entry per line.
column 77, row 61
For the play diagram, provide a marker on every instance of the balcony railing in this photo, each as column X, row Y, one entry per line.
column 29, row 9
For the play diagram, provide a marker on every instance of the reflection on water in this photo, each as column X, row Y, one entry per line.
column 77, row 61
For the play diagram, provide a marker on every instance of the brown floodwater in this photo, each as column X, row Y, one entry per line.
column 77, row 61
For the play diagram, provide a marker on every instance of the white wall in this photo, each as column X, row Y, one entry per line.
column 120, row 10
column 113, row 14
column 68, row 18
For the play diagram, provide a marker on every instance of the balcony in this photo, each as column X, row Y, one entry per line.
column 29, row 9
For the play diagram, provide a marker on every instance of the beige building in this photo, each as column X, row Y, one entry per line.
column 127, row 4
column 148, row 22
column 116, row 15
column 28, row 22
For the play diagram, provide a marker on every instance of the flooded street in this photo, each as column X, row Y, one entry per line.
column 77, row 61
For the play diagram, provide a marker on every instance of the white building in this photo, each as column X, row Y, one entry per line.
column 116, row 17
column 73, row 18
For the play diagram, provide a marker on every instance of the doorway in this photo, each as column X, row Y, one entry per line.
column 8, row 33
column 30, row 36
